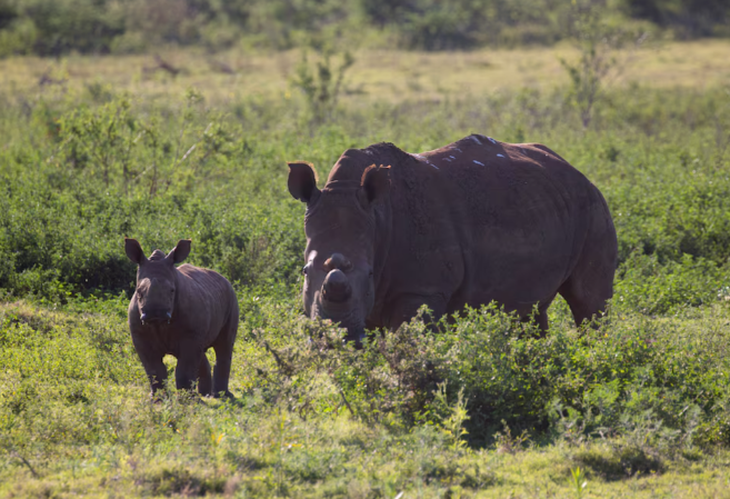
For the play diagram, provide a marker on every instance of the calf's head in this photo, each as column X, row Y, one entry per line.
column 156, row 283
column 339, row 280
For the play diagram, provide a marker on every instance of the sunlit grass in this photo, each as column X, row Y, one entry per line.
column 377, row 74
column 105, row 438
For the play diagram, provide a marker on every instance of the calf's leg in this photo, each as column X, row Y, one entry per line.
column 205, row 383
column 189, row 369
column 153, row 366
column 223, row 354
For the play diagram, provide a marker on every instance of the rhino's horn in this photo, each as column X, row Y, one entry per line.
column 336, row 287
column 337, row 261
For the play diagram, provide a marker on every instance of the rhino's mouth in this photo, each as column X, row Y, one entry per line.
column 357, row 336
column 347, row 319
column 155, row 317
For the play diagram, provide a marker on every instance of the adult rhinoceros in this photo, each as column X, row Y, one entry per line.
column 474, row 221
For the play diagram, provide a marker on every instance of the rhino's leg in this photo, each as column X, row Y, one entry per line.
column 152, row 363
column 155, row 369
column 540, row 317
column 406, row 306
column 223, row 354
column 590, row 284
column 205, row 383
column 189, row 367
column 221, row 372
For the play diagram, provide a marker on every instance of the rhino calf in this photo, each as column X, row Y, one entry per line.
column 183, row 312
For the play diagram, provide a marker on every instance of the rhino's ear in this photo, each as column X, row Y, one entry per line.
column 302, row 182
column 375, row 184
column 180, row 252
column 134, row 251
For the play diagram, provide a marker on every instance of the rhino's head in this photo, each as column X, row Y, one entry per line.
column 155, row 291
column 339, row 281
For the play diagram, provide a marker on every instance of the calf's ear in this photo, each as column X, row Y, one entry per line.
column 134, row 251
column 375, row 184
column 302, row 182
column 180, row 252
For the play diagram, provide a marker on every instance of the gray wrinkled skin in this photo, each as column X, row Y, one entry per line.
column 182, row 311
column 469, row 223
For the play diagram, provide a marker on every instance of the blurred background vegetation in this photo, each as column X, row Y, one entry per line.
column 56, row 27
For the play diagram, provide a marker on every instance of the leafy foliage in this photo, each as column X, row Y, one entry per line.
column 55, row 27
column 323, row 86
column 598, row 38
column 689, row 18
column 632, row 376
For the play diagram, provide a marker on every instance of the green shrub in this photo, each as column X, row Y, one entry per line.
column 690, row 18
column 48, row 27
column 18, row 37
column 323, row 87
column 645, row 286
column 657, row 383
column 71, row 25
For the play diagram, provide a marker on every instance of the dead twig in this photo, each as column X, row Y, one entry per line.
column 46, row 79
column 25, row 462
column 162, row 65
column 347, row 404
column 221, row 67
column 286, row 368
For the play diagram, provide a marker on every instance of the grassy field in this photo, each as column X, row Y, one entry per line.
column 104, row 149
column 376, row 75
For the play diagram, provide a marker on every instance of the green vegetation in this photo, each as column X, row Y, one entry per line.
column 55, row 27
column 637, row 406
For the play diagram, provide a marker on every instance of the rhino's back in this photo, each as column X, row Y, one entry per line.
column 497, row 184
column 480, row 220
column 206, row 288
column 205, row 302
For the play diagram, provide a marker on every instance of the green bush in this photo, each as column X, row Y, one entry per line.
column 690, row 18
column 48, row 27
column 660, row 383
column 18, row 37
column 645, row 286
column 110, row 167
column 67, row 25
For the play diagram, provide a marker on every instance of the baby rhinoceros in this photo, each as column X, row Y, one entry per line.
column 182, row 311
